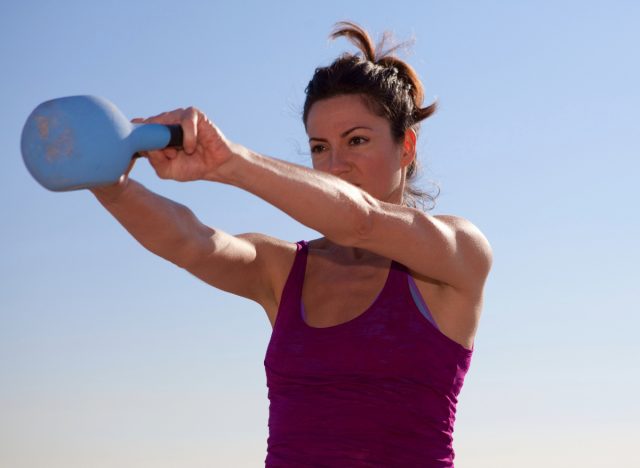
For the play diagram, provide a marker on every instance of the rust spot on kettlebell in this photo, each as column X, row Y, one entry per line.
column 62, row 146
column 43, row 126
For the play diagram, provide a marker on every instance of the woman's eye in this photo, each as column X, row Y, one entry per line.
column 357, row 140
column 354, row 141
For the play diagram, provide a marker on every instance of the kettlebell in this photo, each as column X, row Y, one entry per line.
column 78, row 142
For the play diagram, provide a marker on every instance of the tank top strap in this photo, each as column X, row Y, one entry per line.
column 292, row 292
column 397, row 276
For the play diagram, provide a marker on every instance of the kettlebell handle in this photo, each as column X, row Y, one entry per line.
column 175, row 140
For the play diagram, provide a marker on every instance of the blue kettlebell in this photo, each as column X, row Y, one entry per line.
column 79, row 142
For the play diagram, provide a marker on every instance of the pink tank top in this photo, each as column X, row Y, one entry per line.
column 377, row 391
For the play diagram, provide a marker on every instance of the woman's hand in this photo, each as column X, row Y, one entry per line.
column 204, row 149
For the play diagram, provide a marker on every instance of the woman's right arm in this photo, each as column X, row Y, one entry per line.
column 242, row 265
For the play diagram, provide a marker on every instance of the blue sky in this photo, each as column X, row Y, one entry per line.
column 110, row 356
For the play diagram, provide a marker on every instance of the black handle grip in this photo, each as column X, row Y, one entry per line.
column 176, row 136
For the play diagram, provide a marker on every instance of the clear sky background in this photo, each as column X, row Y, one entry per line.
column 110, row 356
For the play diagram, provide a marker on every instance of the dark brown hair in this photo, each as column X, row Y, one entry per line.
column 391, row 89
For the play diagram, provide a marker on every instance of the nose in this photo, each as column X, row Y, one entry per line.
column 338, row 163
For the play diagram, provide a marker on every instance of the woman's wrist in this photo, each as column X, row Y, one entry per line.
column 111, row 193
column 230, row 171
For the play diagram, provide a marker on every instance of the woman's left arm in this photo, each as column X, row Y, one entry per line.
column 445, row 248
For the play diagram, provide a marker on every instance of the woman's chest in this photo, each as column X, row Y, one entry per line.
column 358, row 323
column 334, row 295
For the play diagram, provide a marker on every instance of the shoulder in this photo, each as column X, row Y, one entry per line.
column 455, row 221
column 276, row 257
column 271, row 250
column 478, row 253
column 464, row 228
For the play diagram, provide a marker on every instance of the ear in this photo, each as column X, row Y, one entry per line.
column 408, row 148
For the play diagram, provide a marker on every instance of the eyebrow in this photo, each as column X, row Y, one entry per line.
column 344, row 134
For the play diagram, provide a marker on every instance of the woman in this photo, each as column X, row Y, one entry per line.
column 360, row 370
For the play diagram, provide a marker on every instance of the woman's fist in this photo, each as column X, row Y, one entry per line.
column 204, row 149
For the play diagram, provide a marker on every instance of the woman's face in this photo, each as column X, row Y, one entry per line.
column 351, row 142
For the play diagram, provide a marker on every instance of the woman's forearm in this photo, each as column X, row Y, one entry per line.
column 321, row 201
column 162, row 226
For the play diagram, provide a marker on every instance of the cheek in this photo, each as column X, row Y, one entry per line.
column 385, row 172
column 389, row 160
column 319, row 161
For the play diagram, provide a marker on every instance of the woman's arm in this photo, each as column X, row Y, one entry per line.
column 321, row 201
column 237, row 264
column 162, row 226
column 447, row 249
